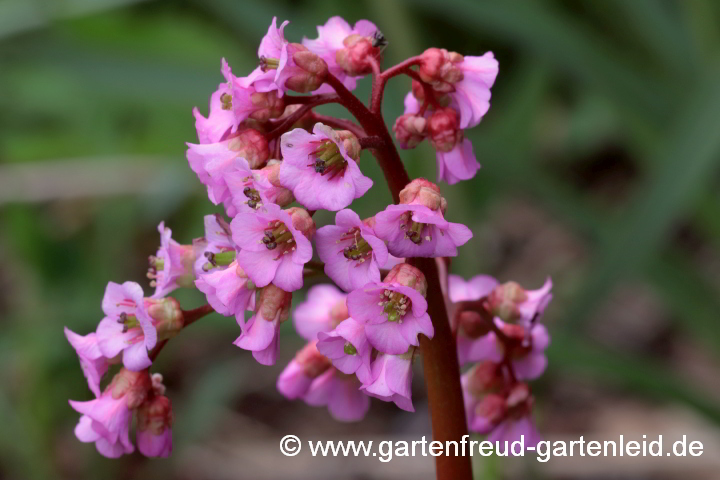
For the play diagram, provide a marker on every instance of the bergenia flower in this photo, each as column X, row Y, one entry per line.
column 274, row 245
column 172, row 266
column 298, row 375
column 228, row 290
column 418, row 231
column 331, row 40
column 93, row 363
column 322, row 311
column 513, row 303
column 454, row 153
column 321, row 168
column 348, row 349
column 353, row 255
column 154, row 427
column 474, row 338
column 467, row 80
column 340, row 393
column 127, row 327
column 221, row 118
column 394, row 312
column 260, row 334
column 106, row 420
column 216, row 249
column 392, row 379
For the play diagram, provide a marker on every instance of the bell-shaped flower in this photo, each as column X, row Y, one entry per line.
column 340, row 393
column 154, row 427
column 348, row 349
column 260, row 334
column 392, row 379
column 93, row 363
column 298, row 375
column 274, row 245
column 172, row 266
column 321, row 168
column 322, row 311
column 352, row 253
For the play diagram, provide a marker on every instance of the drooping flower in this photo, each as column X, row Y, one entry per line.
column 172, row 266
column 455, row 158
column 332, row 39
column 348, row 349
column 127, row 326
column 392, row 379
column 93, row 363
column 260, row 334
column 228, row 290
column 394, row 312
column 221, row 118
column 352, row 253
column 322, row 311
column 154, row 427
column 467, row 80
column 274, row 245
column 473, row 339
column 106, row 420
column 340, row 393
column 321, row 168
column 298, row 375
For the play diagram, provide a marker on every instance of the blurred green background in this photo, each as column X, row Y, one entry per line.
column 600, row 157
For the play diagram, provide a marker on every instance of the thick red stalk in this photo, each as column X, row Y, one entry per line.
column 442, row 372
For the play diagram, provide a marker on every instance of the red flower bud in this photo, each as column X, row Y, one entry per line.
column 440, row 68
column 311, row 70
column 423, row 192
column 302, row 221
column 312, row 362
column 252, row 146
column 410, row 130
column 443, row 129
column 409, row 276
column 268, row 105
column 354, row 59
column 485, row 377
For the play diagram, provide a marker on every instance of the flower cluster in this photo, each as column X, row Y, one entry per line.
column 272, row 162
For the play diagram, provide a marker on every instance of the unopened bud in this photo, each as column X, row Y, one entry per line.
column 350, row 142
column 133, row 386
column 155, row 415
column 354, row 59
column 410, row 130
column 485, row 377
column 267, row 105
column 505, row 299
column 473, row 325
column 302, row 221
column 519, row 396
column 167, row 316
column 311, row 69
column 312, row 362
column 409, row 276
column 273, row 303
column 251, row 145
column 443, row 129
column 492, row 407
column 440, row 68
column 423, row 192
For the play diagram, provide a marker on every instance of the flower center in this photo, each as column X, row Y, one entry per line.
column 156, row 265
column 226, row 101
column 395, row 305
column 278, row 236
column 328, row 159
column 253, row 196
column 416, row 232
column 220, row 259
column 349, row 349
column 359, row 250
column 127, row 321
column 267, row 63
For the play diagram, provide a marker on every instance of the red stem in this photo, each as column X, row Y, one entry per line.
column 307, row 106
column 191, row 316
column 339, row 123
column 442, row 372
column 372, row 142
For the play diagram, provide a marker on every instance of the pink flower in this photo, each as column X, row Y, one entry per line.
column 512, row 303
column 330, row 41
column 228, row 290
column 221, row 118
column 473, row 338
column 321, row 168
column 322, row 311
column 392, row 379
column 340, row 393
column 127, row 326
column 260, row 334
column 353, row 255
column 106, row 420
column 393, row 313
column 217, row 240
column 296, row 378
column 418, row 231
column 274, row 245
column 172, row 266
column 252, row 190
column 93, row 363
column 154, row 427
column 348, row 349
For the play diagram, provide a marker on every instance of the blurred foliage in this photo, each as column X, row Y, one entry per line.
column 582, row 85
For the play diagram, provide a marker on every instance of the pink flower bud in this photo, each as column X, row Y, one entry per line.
column 310, row 72
column 409, row 276
column 154, row 427
column 132, row 386
column 505, row 299
column 302, row 221
column 443, row 129
column 277, row 194
column 273, row 303
column 167, row 316
column 440, row 68
column 311, row 361
column 350, row 142
column 266, row 105
column 354, row 59
column 473, row 325
column 519, row 397
column 492, row 408
column 410, row 130
column 252, row 146
column 485, row 377
column 423, row 192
